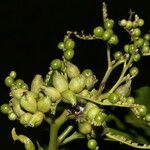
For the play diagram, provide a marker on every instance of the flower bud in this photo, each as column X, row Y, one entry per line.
column 44, row 104
column 59, row 82
column 37, row 82
column 77, row 84
column 90, row 81
column 52, row 93
column 16, row 107
column 25, row 118
column 124, row 90
column 28, row 102
column 36, row 119
column 72, row 70
column 85, row 127
column 69, row 97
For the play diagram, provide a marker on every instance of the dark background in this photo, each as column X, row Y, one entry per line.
column 31, row 29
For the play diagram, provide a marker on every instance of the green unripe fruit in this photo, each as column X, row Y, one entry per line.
column 13, row 74
column 136, row 32
column 25, row 86
column 108, row 24
column 145, row 49
column 87, row 72
column 139, row 42
column 132, row 48
column 19, row 82
column 130, row 100
column 72, row 70
column 113, row 98
column 77, row 84
column 69, row 97
column 136, row 57
column 61, row 45
column 43, row 104
column 59, row 82
column 126, row 48
column 142, row 110
column 123, row 22
column 56, row 64
column 98, row 31
column 92, row 144
column 25, row 118
column 69, row 44
column 9, row 81
column 16, row 107
column 147, row 117
column 36, row 119
column 36, row 84
column 113, row 40
column 68, row 54
column 85, row 128
column 5, row 109
column 147, row 36
column 107, row 34
column 12, row 116
column 52, row 93
column 140, row 22
column 28, row 102
column 134, row 71
column 129, row 24
column 117, row 55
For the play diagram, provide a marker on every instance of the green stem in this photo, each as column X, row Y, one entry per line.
column 125, row 68
column 64, row 134
column 54, row 128
column 72, row 137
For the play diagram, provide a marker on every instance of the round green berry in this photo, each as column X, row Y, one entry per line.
column 130, row 100
column 132, row 48
column 145, row 49
column 61, row 45
column 68, row 54
column 85, row 128
column 140, row 22
column 113, row 98
column 142, row 110
column 87, row 72
column 5, row 109
column 69, row 44
column 9, row 81
column 136, row 32
column 92, row 144
column 136, row 57
column 126, row 48
column 147, row 36
column 129, row 24
column 147, row 117
column 113, row 40
column 139, row 42
column 117, row 55
column 56, row 64
column 107, row 34
column 13, row 74
column 123, row 22
column 98, row 31
column 108, row 24
column 134, row 71
column 19, row 82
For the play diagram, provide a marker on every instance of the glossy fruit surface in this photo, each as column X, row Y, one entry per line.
column 98, row 31
column 68, row 54
column 55, row 64
column 113, row 98
column 92, row 143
